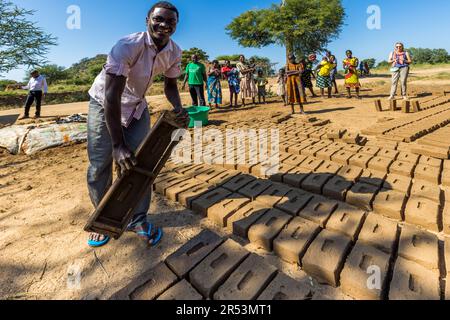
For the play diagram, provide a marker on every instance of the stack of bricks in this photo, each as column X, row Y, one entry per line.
column 435, row 144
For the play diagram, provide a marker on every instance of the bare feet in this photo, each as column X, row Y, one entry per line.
column 96, row 237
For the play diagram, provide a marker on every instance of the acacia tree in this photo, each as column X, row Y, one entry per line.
column 21, row 42
column 302, row 26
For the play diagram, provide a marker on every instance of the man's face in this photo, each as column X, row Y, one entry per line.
column 35, row 75
column 242, row 59
column 194, row 58
column 162, row 24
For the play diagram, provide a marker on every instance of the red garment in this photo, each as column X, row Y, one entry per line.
column 226, row 69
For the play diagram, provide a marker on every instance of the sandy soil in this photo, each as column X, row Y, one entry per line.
column 44, row 205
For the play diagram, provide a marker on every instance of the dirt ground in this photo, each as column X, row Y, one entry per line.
column 44, row 205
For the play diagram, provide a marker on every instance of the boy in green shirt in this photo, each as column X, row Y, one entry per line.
column 195, row 76
column 261, row 83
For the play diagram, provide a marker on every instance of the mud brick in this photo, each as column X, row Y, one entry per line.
column 260, row 170
column 283, row 287
column 315, row 182
column 166, row 175
column 183, row 168
column 271, row 196
column 195, row 170
column 319, row 210
column 411, row 281
column 172, row 192
column 216, row 267
column 326, row 255
column 337, row 188
column 433, row 151
column 284, row 146
column 371, row 150
column 328, row 167
column 423, row 212
column 403, row 168
column 446, row 166
column 360, row 160
column 149, row 285
column 380, row 164
column 346, row 220
column 263, row 231
column 312, row 150
column 247, row 281
column 221, row 211
column 373, row 177
column 244, row 218
column 296, row 177
column 162, row 186
column 342, row 157
column 379, row 232
column 255, row 188
column 294, row 201
column 296, row 148
column 326, row 153
column 353, row 148
column 388, row 153
column 390, row 203
column 190, row 254
column 182, row 291
column 294, row 239
column 447, row 258
column 311, row 163
column 362, row 195
column 357, row 270
column 419, row 246
column 429, row 161
column 352, row 138
column 336, row 133
column 224, row 177
column 427, row 190
column 446, row 178
column 294, row 160
column 338, row 145
column 446, row 223
column 350, row 173
column 186, row 198
column 282, row 170
column 238, row 182
column 398, row 183
column 428, row 173
column 203, row 203
column 408, row 157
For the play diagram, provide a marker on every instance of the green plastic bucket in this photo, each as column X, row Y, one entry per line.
column 198, row 114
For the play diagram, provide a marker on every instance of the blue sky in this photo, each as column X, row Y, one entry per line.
column 418, row 23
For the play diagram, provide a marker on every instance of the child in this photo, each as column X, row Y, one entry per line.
column 323, row 77
column 282, row 85
column 333, row 74
column 306, row 77
column 261, row 83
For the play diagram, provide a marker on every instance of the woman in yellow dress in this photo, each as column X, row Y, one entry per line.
column 351, row 74
column 294, row 85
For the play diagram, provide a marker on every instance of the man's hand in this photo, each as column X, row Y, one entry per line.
column 182, row 116
column 124, row 158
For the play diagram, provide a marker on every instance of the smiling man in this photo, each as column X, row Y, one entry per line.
column 119, row 118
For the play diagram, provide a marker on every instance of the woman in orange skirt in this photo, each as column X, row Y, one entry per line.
column 294, row 84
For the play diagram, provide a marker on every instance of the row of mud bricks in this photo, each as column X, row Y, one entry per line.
column 435, row 144
column 412, row 106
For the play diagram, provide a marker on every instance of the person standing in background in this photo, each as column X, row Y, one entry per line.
column 214, row 86
column 246, row 74
column 38, row 88
column 323, row 76
column 261, row 82
column 294, row 84
column 281, row 81
column 350, row 65
column 333, row 73
column 195, row 76
column 400, row 60
column 232, row 75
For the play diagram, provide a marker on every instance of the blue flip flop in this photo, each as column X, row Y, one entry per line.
column 98, row 244
column 154, row 238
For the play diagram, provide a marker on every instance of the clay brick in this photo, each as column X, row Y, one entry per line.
column 447, row 257
column 209, row 174
column 403, row 168
column 371, row 150
column 336, row 133
column 194, row 170
column 328, row 167
column 353, row 148
column 294, row 201
column 294, row 160
column 398, row 183
column 238, row 182
column 337, row 188
column 326, row 255
column 326, row 153
column 247, row 281
column 182, row 291
column 190, row 254
column 390, row 203
column 172, row 192
column 311, row 163
column 318, row 210
column 311, row 151
column 446, row 220
column 355, row 277
column 255, row 188
column 388, row 153
column 360, row 160
column 286, row 288
column 423, row 212
column 263, row 231
column 411, row 281
column 429, row 161
column 362, row 195
column 408, row 157
column 202, row 204
column 292, row 242
column 346, row 220
column 271, row 196
column 427, row 190
column 162, row 186
column 221, row 211
column 419, row 246
column 427, row 173
column 148, row 285
column 282, row 170
column 315, row 182
column 342, row 157
column 380, row 164
column 379, row 232
column 350, row 173
column 296, row 177
column 372, row 177
column 224, row 177
column 185, row 198
column 244, row 218
column 446, row 178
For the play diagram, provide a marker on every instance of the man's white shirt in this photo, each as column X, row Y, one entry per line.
column 38, row 84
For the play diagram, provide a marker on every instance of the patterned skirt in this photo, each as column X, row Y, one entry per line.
column 306, row 80
column 214, row 90
column 248, row 88
column 323, row 82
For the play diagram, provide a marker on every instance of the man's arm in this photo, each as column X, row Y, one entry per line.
column 44, row 85
column 114, row 88
column 173, row 95
column 27, row 87
column 408, row 58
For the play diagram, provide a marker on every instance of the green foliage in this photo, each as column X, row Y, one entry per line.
column 22, row 43
column 370, row 62
column 5, row 83
column 431, row 56
column 231, row 57
column 85, row 71
column 383, row 64
column 187, row 54
column 52, row 73
column 303, row 26
column 265, row 64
